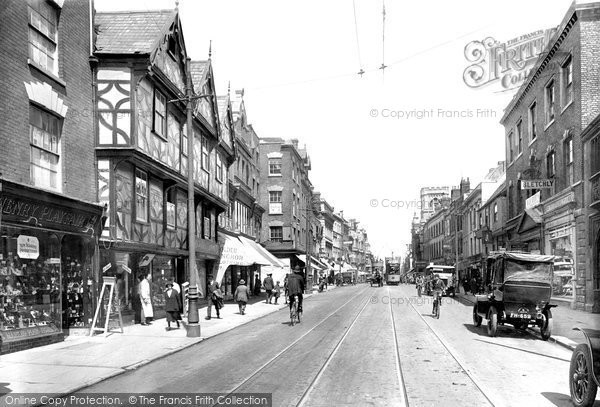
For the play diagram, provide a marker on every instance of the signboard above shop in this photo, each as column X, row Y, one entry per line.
column 537, row 183
column 28, row 247
column 533, row 200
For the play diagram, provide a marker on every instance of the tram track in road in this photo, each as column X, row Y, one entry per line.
column 283, row 352
column 476, row 382
column 397, row 354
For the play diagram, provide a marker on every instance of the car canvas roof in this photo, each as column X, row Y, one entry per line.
column 545, row 258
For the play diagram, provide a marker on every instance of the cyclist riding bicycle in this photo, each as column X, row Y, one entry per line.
column 295, row 287
column 439, row 287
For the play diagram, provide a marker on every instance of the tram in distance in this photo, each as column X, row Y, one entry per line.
column 392, row 272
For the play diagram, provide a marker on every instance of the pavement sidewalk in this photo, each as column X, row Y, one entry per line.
column 564, row 319
column 80, row 361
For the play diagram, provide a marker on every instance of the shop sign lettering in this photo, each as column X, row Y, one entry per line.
column 28, row 247
column 41, row 214
column 24, row 333
column 537, row 183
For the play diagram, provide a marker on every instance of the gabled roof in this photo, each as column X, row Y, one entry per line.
column 222, row 106
column 131, row 32
column 198, row 70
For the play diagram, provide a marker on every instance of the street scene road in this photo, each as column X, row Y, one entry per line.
column 362, row 345
column 426, row 177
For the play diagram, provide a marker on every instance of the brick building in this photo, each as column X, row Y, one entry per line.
column 289, row 229
column 543, row 125
column 591, row 163
column 49, row 218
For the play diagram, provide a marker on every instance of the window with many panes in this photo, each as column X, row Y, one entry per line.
column 550, row 102
column 511, row 150
column 276, row 233
column 567, row 81
column 519, row 135
column 219, row 169
column 274, row 166
column 160, row 114
column 171, row 209
column 568, row 151
column 45, row 130
column 495, row 212
column 205, row 160
column 275, row 203
column 595, row 147
column 141, row 196
column 532, row 121
column 43, row 20
column 550, row 165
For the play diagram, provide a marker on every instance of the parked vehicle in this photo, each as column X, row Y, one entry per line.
column 447, row 275
column 584, row 371
column 517, row 292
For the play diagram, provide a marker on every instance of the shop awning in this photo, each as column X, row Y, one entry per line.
column 314, row 263
column 263, row 256
column 233, row 252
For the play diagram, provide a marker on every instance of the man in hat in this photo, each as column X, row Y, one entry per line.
column 211, row 287
column 296, row 287
column 268, row 285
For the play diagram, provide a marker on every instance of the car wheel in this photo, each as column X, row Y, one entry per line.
column 476, row 318
column 581, row 382
column 546, row 328
column 492, row 326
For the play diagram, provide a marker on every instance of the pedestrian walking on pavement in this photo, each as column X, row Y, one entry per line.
column 268, row 285
column 257, row 286
column 241, row 296
column 285, row 288
column 146, row 303
column 210, row 289
column 172, row 305
column 217, row 297
column 277, row 292
column 474, row 289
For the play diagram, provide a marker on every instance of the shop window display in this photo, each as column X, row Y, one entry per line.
column 77, row 283
column 162, row 270
column 30, row 280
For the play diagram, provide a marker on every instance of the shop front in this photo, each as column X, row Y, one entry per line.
column 48, row 273
column 559, row 240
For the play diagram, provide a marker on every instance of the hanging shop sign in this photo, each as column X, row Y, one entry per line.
column 28, row 247
column 537, row 183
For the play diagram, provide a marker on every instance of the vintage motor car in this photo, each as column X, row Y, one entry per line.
column 517, row 292
column 584, row 370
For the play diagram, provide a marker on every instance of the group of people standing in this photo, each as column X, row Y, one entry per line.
column 293, row 287
column 173, row 303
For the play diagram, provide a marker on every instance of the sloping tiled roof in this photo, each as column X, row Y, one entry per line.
column 131, row 32
column 222, row 106
column 197, row 70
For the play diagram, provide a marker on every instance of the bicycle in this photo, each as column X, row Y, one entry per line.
column 437, row 302
column 294, row 314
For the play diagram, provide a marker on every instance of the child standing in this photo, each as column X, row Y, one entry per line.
column 277, row 290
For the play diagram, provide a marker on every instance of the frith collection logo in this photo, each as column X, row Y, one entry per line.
column 507, row 63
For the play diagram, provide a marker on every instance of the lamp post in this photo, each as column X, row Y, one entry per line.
column 193, row 326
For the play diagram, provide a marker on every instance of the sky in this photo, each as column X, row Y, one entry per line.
column 374, row 140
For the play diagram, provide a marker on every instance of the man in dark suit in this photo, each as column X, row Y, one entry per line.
column 268, row 285
column 211, row 287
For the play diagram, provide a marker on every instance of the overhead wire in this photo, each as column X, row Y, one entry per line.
column 361, row 71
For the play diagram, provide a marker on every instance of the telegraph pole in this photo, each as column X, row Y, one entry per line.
column 193, row 329
column 193, row 326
